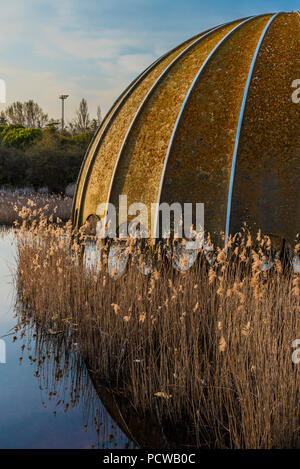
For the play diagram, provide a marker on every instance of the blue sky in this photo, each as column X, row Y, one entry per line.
column 94, row 48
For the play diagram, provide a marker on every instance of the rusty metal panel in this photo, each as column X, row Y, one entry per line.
column 199, row 163
column 266, row 190
column 174, row 134
column 92, row 151
column 98, row 182
column 239, row 126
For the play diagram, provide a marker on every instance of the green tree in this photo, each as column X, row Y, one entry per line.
column 54, row 161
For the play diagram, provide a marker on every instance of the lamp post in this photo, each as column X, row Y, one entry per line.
column 63, row 97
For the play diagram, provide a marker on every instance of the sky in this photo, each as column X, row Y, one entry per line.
column 93, row 49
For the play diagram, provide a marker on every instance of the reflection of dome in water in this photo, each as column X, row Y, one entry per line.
column 211, row 121
column 148, row 432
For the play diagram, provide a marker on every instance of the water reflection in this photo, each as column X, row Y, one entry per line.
column 65, row 380
column 47, row 397
column 50, row 396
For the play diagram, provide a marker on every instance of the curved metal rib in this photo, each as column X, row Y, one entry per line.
column 180, row 115
column 107, row 123
column 153, row 87
column 240, row 126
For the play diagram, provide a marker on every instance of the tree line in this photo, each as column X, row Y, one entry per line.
column 33, row 151
column 30, row 115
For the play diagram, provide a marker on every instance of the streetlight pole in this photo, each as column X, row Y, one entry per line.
column 63, row 97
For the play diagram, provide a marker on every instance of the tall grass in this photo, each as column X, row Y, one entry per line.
column 208, row 350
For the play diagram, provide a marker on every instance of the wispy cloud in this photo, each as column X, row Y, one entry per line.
column 94, row 48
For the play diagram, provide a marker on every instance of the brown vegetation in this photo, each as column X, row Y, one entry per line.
column 208, row 350
column 11, row 203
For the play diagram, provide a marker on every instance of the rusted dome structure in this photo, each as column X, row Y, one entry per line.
column 212, row 121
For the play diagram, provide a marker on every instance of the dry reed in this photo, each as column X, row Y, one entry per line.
column 12, row 202
column 209, row 350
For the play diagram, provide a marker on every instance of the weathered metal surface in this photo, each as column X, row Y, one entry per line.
column 102, row 154
column 174, row 134
column 140, row 168
column 266, row 190
column 92, row 150
column 199, row 163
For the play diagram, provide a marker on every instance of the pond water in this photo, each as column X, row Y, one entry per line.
column 32, row 415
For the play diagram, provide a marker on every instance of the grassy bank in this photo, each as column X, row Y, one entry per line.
column 15, row 204
column 208, row 350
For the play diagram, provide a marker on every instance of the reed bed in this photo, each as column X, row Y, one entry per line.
column 208, row 351
column 12, row 202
